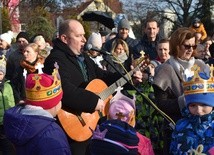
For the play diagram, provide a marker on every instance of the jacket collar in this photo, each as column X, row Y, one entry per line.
column 58, row 44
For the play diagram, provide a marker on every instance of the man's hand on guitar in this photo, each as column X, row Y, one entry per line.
column 100, row 105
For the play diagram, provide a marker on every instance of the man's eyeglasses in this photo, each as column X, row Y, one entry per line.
column 187, row 47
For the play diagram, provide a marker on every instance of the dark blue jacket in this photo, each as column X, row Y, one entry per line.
column 192, row 132
column 34, row 134
column 149, row 47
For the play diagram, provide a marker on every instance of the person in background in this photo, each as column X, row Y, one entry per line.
column 207, row 42
column 211, row 59
column 194, row 134
column 94, row 46
column 31, row 126
column 163, row 50
column 167, row 84
column 103, row 34
column 14, row 59
column 149, row 41
column 120, row 57
column 77, row 68
column 200, row 53
column 198, row 37
column 31, row 59
column 44, row 47
column 149, row 72
column 198, row 27
column 6, row 101
column 123, row 33
column 112, row 34
column 5, row 43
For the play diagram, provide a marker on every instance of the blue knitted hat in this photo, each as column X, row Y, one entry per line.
column 204, row 98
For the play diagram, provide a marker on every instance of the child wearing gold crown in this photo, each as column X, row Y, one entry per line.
column 31, row 126
column 6, row 102
column 194, row 134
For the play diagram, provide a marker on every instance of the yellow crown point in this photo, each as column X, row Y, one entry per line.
column 197, row 84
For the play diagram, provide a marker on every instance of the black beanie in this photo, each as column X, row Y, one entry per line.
column 23, row 35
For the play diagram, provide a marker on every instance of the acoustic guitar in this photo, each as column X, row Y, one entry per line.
column 79, row 127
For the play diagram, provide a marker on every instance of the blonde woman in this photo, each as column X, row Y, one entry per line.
column 30, row 59
column 120, row 58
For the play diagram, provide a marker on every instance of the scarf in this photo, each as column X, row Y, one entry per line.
column 182, row 66
column 30, row 67
column 81, row 62
column 121, row 58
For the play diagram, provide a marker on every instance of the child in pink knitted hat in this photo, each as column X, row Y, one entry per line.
column 119, row 130
column 123, row 108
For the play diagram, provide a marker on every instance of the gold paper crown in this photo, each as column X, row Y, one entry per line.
column 41, row 93
column 197, row 84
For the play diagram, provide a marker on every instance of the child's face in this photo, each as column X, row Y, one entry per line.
column 199, row 109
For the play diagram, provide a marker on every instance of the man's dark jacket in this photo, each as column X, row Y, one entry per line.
column 149, row 47
column 75, row 98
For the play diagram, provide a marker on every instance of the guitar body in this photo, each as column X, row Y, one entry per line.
column 72, row 125
column 82, row 131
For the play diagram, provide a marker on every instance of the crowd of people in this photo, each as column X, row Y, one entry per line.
column 87, row 82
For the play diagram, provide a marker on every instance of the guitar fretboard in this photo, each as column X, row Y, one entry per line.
column 120, row 82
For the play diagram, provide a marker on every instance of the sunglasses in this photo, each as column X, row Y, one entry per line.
column 187, row 47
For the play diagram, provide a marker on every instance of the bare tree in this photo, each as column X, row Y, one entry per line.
column 183, row 11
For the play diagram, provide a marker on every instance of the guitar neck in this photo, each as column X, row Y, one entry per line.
column 120, row 82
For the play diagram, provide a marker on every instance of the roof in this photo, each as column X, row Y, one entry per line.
column 115, row 5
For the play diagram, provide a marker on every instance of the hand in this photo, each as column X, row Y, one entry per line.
column 100, row 105
column 137, row 76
